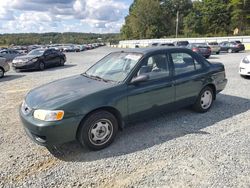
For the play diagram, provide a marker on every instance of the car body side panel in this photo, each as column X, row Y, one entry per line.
column 150, row 97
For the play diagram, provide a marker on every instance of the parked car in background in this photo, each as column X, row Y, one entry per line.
column 4, row 66
column 181, row 43
column 166, row 44
column 120, row 88
column 200, row 48
column 39, row 59
column 215, row 48
column 69, row 48
column 161, row 44
column 231, row 47
column 244, row 68
column 9, row 54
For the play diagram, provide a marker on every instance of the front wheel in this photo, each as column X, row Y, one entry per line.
column 230, row 50
column 41, row 66
column 98, row 130
column 204, row 100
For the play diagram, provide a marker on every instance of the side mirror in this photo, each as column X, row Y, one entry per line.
column 140, row 78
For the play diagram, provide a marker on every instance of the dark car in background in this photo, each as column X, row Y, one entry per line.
column 156, row 44
column 200, row 48
column 9, row 54
column 39, row 59
column 232, row 46
column 181, row 43
column 122, row 87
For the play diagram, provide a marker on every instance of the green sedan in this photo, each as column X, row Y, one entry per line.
column 120, row 88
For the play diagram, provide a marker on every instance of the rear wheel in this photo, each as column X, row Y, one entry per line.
column 61, row 62
column 204, row 100
column 230, row 50
column 98, row 130
column 217, row 52
column 1, row 72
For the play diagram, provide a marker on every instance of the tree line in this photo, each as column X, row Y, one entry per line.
column 56, row 38
column 158, row 18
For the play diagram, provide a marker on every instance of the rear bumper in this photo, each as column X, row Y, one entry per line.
column 6, row 67
column 50, row 133
column 220, row 85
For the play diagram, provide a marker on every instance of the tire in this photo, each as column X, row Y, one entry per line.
column 204, row 100
column 217, row 53
column 98, row 130
column 61, row 62
column 41, row 66
column 230, row 50
column 1, row 72
column 207, row 56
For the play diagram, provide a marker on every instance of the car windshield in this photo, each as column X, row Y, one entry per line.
column 114, row 67
column 36, row 52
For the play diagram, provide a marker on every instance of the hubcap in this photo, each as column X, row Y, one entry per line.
column 206, row 99
column 101, row 132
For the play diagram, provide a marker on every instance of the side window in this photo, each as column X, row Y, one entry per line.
column 155, row 66
column 184, row 63
column 47, row 52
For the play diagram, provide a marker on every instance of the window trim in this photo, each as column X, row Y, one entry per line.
column 197, row 59
column 145, row 57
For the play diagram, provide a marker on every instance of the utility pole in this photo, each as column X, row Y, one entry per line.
column 177, row 24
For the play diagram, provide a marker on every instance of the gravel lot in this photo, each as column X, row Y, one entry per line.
column 180, row 149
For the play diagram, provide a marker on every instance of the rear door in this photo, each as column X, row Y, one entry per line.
column 50, row 57
column 158, row 92
column 189, row 76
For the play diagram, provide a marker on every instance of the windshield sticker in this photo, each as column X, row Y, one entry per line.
column 133, row 57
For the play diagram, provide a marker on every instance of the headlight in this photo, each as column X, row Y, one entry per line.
column 245, row 60
column 33, row 60
column 48, row 115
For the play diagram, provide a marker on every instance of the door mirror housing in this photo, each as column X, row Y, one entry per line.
column 139, row 79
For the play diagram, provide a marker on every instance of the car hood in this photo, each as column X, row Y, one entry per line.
column 57, row 93
column 26, row 57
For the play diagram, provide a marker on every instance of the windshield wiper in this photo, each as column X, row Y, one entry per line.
column 96, row 77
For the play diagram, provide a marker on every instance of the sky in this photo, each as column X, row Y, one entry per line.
column 39, row 16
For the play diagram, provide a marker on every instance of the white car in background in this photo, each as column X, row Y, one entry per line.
column 4, row 66
column 245, row 66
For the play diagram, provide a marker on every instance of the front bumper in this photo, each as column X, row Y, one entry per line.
column 244, row 69
column 50, row 133
column 24, row 66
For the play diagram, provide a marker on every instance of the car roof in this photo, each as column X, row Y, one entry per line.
column 150, row 49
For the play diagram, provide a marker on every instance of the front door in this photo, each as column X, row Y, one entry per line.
column 157, row 92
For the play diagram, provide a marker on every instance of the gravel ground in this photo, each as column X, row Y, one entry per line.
column 180, row 149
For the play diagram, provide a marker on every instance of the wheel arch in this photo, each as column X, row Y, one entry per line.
column 109, row 109
column 212, row 86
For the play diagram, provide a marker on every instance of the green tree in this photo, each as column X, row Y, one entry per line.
column 144, row 20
